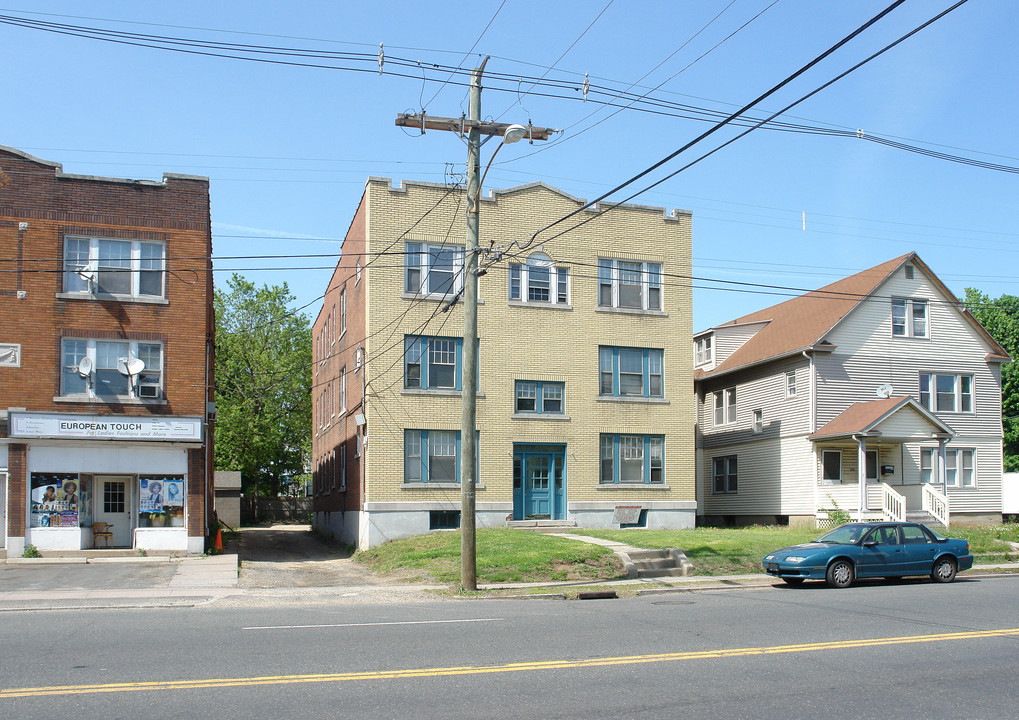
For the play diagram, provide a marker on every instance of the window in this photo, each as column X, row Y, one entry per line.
column 758, row 426
column 433, row 269
column 629, row 284
column 908, row 269
column 130, row 268
column 343, row 311
column 959, row 468
column 432, row 363
column 432, row 456
column 537, row 397
column 725, row 407
column 105, row 378
column 790, row 384
column 831, row 466
column 343, row 390
column 723, row 475
column 342, row 466
column 927, row 466
column 909, row 318
column 357, row 272
column 632, row 459
column 539, row 281
column 946, row 393
column 630, row 372
column 702, row 351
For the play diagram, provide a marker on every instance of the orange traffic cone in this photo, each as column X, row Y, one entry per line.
column 218, row 544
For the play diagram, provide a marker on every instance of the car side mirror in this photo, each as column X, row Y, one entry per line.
column 870, row 543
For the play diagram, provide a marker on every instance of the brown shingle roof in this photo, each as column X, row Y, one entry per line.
column 861, row 417
column 803, row 321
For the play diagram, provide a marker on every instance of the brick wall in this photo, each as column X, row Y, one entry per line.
column 527, row 342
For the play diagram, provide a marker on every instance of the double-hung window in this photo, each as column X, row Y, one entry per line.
column 909, row 318
column 539, row 281
column 432, row 363
column 99, row 368
column 124, row 268
column 959, row 467
column 630, row 372
column 946, row 393
column 433, row 269
column 432, row 456
column 632, row 459
column 629, row 284
column 724, row 479
column 724, row 406
column 538, row 397
column 702, row 351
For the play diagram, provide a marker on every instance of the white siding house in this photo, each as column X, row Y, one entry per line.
column 881, row 377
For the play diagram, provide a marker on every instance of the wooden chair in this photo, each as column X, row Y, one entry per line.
column 102, row 531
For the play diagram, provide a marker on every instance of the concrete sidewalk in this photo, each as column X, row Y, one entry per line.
column 99, row 580
column 154, row 581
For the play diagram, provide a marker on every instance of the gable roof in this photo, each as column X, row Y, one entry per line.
column 863, row 417
column 802, row 323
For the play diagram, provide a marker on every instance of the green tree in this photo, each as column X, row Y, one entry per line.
column 1001, row 318
column 263, row 385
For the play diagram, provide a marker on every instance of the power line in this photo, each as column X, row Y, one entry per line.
column 749, row 130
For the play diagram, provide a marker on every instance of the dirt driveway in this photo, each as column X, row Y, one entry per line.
column 291, row 556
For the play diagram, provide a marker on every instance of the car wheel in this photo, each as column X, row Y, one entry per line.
column 793, row 580
column 840, row 574
column 944, row 570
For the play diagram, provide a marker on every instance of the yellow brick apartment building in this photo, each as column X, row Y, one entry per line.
column 585, row 413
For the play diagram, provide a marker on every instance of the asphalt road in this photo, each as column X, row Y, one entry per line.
column 906, row 650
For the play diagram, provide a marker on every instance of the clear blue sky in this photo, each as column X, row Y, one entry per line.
column 288, row 148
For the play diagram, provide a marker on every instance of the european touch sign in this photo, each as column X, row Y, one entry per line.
column 104, row 427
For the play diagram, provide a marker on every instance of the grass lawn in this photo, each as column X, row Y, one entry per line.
column 506, row 555
column 714, row 551
column 503, row 555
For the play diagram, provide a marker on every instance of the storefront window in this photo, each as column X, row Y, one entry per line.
column 161, row 501
column 54, row 500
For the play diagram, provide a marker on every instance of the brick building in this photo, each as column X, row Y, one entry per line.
column 585, row 410
column 106, row 343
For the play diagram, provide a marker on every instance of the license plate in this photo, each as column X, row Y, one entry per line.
column 773, row 567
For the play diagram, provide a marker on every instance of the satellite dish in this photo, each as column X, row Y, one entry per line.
column 86, row 274
column 85, row 366
column 131, row 367
column 884, row 391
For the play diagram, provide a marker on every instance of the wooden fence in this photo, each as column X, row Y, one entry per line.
column 256, row 510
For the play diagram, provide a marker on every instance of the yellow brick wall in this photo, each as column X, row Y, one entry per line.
column 532, row 343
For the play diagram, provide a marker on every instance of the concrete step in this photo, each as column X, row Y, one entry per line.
column 665, row 572
column 667, row 562
column 542, row 525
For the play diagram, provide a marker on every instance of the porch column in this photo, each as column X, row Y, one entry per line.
column 861, row 472
column 942, row 467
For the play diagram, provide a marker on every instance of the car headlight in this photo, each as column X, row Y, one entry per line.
column 795, row 558
column 770, row 557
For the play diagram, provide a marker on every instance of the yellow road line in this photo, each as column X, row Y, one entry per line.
column 488, row 669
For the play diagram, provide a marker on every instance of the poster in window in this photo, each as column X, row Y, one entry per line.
column 161, row 501
column 54, row 500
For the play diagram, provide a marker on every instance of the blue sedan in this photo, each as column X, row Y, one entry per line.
column 871, row 549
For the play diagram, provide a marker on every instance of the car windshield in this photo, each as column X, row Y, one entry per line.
column 845, row 535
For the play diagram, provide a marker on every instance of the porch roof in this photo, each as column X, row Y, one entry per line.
column 865, row 418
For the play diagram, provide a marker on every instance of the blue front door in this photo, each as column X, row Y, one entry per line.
column 538, row 482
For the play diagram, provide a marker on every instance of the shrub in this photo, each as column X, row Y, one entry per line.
column 31, row 551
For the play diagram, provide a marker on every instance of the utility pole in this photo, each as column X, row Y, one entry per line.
column 475, row 128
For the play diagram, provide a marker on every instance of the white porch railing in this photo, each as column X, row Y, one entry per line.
column 893, row 505
column 936, row 503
